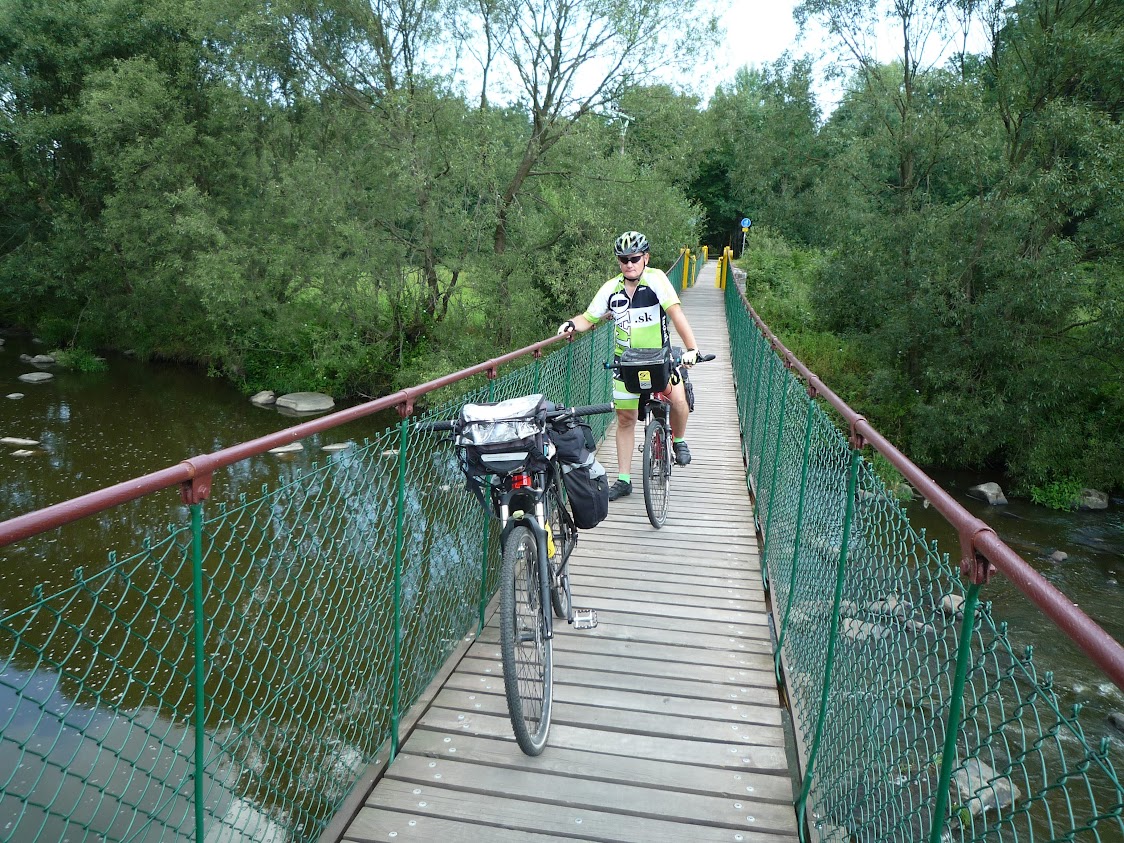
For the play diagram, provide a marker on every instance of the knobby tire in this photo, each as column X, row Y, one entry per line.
column 526, row 651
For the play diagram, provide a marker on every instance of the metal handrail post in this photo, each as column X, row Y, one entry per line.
column 840, row 576
column 200, row 674
column 485, row 541
column 399, row 530
column 955, row 711
column 796, row 541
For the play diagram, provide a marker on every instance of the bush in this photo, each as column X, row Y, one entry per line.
column 79, row 359
column 1058, row 494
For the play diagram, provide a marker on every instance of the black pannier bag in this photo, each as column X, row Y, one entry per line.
column 587, row 492
column 587, row 487
column 645, row 369
column 504, row 437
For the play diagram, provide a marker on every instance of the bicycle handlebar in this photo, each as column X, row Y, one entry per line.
column 675, row 361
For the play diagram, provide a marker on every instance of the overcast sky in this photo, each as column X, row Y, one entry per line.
column 760, row 31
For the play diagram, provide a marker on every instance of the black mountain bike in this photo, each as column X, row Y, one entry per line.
column 651, row 373
column 524, row 488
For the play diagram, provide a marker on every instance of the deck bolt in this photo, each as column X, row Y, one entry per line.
column 738, row 805
column 578, row 820
column 432, row 763
column 421, row 804
column 750, row 819
column 436, row 775
column 417, row 791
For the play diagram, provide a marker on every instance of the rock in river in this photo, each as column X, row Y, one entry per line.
column 306, row 402
column 36, row 377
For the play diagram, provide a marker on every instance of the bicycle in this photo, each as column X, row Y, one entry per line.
column 650, row 373
column 505, row 448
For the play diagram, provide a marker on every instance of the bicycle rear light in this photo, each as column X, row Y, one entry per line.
column 520, row 481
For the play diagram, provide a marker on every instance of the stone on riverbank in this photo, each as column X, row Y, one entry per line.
column 1091, row 499
column 17, row 442
column 291, row 448
column 982, row 789
column 337, row 446
column 36, row 377
column 1116, row 720
column 24, row 452
column 264, row 398
column 1059, row 556
column 990, row 492
column 14, row 396
column 306, row 402
column 953, row 604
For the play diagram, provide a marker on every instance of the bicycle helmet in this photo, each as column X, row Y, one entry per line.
column 630, row 243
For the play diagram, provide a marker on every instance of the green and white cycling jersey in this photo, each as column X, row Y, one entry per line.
column 641, row 321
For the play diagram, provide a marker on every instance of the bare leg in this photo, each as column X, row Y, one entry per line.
column 679, row 411
column 626, row 440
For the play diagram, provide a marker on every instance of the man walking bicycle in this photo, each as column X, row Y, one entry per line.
column 641, row 300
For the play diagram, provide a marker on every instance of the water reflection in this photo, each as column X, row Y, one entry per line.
column 95, row 677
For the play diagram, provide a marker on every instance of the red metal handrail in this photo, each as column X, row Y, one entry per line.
column 193, row 475
column 981, row 549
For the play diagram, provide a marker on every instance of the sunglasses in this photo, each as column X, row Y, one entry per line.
column 630, row 259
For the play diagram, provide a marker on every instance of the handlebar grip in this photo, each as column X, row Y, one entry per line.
column 427, row 427
column 592, row 409
column 704, row 358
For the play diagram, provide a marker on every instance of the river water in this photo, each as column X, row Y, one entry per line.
column 96, row 430
column 99, row 429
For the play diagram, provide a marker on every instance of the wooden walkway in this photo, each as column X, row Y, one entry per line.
column 667, row 724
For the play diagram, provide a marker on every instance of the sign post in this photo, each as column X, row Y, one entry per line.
column 746, row 223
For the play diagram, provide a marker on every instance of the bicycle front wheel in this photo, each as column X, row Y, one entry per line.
column 526, row 650
column 657, row 473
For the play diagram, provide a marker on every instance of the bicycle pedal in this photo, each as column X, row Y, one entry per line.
column 584, row 619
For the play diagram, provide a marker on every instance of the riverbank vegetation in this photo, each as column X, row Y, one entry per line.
column 312, row 195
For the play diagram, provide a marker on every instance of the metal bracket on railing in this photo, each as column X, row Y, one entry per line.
column 196, row 490
column 858, row 442
column 813, row 393
column 537, row 353
column 406, row 408
column 493, row 373
column 973, row 564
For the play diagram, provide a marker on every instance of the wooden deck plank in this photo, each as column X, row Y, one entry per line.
column 768, row 759
column 560, row 821
column 599, row 766
column 667, row 722
column 580, row 793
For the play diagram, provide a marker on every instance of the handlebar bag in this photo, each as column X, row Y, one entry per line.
column 503, row 437
column 645, row 369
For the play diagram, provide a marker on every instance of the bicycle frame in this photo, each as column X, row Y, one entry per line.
column 535, row 494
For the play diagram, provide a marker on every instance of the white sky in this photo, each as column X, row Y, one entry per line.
column 761, row 31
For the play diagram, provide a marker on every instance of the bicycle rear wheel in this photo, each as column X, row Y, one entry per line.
column 526, row 651
column 657, row 473
column 559, row 573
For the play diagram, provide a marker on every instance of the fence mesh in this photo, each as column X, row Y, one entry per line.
column 305, row 668
column 870, row 618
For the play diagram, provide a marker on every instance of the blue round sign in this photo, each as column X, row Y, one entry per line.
column 746, row 222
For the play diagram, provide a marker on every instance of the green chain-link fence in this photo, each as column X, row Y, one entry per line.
column 916, row 716
column 231, row 680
